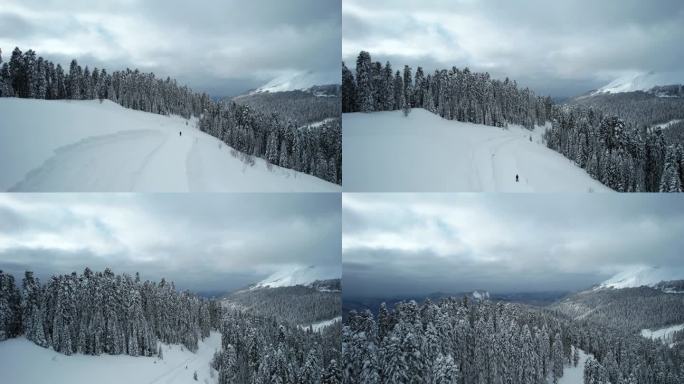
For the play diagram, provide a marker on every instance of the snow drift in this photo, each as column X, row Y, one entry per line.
column 86, row 145
column 385, row 151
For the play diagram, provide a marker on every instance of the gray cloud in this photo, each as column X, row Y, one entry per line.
column 201, row 241
column 562, row 48
column 218, row 46
column 415, row 244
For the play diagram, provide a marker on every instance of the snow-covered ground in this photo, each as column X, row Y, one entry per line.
column 297, row 275
column 321, row 324
column 638, row 276
column 385, row 151
column 87, row 146
column 574, row 375
column 662, row 334
column 23, row 362
column 667, row 125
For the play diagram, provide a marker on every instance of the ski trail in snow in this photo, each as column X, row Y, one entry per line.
column 173, row 372
column 85, row 165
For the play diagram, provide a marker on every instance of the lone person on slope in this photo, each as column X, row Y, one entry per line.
column 516, row 178
column 180, row 133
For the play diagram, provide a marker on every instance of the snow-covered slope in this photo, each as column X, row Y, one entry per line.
column 640, row 81
column 64, row 145
column 320, row 325
column 385, row 151
column 299, row 80
column 23, row 362
column 641, row 276
column 662, row 334
column 298, row 276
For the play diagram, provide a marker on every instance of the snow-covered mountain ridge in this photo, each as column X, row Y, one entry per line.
column 298, row 80
column 641, row 81
column 305, row 276
column 641, row 276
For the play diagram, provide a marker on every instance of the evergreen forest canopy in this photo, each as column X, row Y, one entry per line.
column 280, row 141
column 622, row 155
column 461, row 342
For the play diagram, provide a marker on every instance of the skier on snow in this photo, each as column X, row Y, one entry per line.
column 516, row 178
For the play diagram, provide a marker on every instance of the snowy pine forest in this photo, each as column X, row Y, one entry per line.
column 279, row 140
column 626, row 157
column 466, row 342
column 102, row 313
column 257, row 349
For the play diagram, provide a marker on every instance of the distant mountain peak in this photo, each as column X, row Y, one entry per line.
column 640, row 81
column 293, row 81
column 298, row 275
column 639, row 276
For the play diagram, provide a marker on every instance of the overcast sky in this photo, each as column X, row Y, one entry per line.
column 203, row 242
column 561, row 48
column 413, row 244
column 223, row 47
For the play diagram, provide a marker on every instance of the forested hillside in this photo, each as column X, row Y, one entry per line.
column 294, row 305
column 457, row 341
column 278, row 140
column 257, row 349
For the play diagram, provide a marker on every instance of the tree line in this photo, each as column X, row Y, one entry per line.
column 454, row 94
column 102, row 313
column 277, row 140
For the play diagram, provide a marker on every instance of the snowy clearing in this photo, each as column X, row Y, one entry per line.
column 317, row 327
column 385, row 151
column 662, row 334
column 574, row 375
column 22, row 361
column 87, row 146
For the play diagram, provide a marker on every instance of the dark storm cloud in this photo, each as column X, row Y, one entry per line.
column 218, row 46
column 417, row 244
column 204, row 242
column 561, row 48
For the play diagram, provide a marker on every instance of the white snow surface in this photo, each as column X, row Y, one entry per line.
column 297, row 275
column 662, row 334
column 481, row 295
column 318, row 326
column 638, row 276
column 574, row 375
column 667, row 125
column 641, row 81
column 88, row 146
column 23, row 362
column 297, row 80
column 386, row 151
